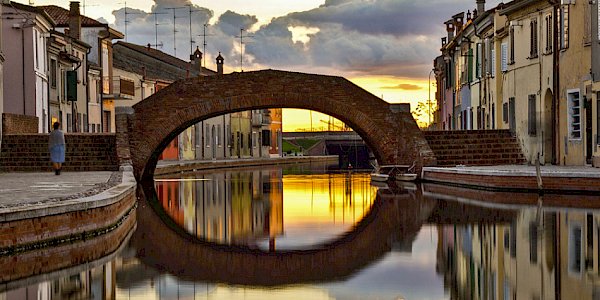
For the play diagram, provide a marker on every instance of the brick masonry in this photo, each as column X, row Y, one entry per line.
column 393, row 135
column 85, row 152
column 23, row 265
column 516, row 182
column 34, row 230
column 17, row 124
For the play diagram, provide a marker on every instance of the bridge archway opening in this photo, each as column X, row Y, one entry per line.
column 145, row 131
column 265, row 133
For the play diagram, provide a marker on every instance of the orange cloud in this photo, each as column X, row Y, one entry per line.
column 403, row 86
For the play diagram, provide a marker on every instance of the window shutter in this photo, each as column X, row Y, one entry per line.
column 493, row 63
column 532, row 116
column 504, row 56
column 470, row 66
column 479, row 58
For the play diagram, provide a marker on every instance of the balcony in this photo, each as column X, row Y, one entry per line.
column 123, row 89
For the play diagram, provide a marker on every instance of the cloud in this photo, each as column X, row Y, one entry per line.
column 358, row 37
column 403, row 86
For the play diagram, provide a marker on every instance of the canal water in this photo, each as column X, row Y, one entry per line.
column 310, row 232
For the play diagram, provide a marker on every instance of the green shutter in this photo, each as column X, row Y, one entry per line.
column 470, row 67
column 71, row 85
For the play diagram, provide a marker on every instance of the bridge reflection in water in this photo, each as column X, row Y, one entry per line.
column 422, row 242
column 248, row 208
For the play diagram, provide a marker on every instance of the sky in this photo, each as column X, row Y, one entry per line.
column 385, row 46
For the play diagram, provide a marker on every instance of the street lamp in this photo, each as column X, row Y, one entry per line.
column 429, row 98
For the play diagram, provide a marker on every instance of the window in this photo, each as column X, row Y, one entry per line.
column 564, row 27
column 575, row 248
column 587, row 23
column 218, row 135
column 574, row 111
column 549, row 37
column 505, row 112
column 69, row 123
column 266, row 138
column 254, row 139
column 493, row 62
column 532, row 116
column 207, row 136
column 512, row 46
column 533, row 243
column 35, row 46
column 470, row 66
column 504, row 57
column 85, row 123
column 53, row 72
column 533, row 39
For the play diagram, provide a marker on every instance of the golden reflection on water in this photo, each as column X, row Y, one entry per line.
column 264, row 208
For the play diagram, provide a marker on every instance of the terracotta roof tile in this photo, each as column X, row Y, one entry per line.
column 61, row 17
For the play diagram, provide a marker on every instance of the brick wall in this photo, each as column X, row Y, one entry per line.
column 18, row 124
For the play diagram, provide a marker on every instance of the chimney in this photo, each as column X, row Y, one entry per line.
column 74, row 21
column 450, row 29
column 459, row 22
column 220, row 62
column 480, row 6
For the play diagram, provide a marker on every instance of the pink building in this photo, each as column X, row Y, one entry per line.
column 25, row 56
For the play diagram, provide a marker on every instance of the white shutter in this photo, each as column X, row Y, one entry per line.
column 504, row 57
column 479, row 59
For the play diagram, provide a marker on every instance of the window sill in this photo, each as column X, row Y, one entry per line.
column 533, row 57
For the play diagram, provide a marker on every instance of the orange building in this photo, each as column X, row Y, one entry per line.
column 276, row 132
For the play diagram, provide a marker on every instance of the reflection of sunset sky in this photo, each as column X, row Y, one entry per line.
column 318, row 208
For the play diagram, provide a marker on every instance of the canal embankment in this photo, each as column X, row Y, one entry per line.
column 39, row 210
column 518, row 178
column 166, row 167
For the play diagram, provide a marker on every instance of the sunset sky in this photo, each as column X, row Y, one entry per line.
column 385, row 46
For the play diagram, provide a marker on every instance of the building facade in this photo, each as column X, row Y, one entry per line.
column 27, row 28
column 525, row 66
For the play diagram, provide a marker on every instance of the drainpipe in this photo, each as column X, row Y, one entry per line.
column 87, row 90
column 23, row 68
column 555, row 85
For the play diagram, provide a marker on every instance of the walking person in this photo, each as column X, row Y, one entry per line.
column 56, row 144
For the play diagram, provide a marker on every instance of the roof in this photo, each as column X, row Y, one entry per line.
column 154, row 63
column 159, row 55
column 61, row 17
column 32, row 9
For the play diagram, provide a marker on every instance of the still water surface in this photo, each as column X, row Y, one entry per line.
column 306, row 233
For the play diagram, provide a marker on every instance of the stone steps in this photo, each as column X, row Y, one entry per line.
column 84, row 152
column 475, row 148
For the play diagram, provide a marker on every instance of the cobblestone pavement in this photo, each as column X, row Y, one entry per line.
column 29, row 188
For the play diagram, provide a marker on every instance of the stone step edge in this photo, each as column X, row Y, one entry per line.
column 110, row 196
column 544, row 173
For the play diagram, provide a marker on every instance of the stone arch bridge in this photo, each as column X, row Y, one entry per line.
column 144, row 130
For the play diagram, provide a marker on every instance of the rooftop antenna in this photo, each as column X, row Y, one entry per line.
column 156, row 28
column 126, row 21
column 242, row 36
column 175, row 28
column 191, row 39
column 83, row 6
column 204, row 35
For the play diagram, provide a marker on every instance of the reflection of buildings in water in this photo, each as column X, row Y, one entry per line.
column 227, row 207
column 551, row 255
column 95, row 283
column 247, row 207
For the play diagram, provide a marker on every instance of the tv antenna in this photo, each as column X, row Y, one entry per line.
column 190, row 6
column 241, row 37
column 174, row 9
column 86, row 5
column 204, row 35
column 156, row 28
column 126, row 13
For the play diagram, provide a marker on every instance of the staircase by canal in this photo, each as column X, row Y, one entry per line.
column 475, row 147
column 85, row 152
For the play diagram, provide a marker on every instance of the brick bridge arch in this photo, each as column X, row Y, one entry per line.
column 145, row 130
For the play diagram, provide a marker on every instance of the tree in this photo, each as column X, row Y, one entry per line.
column 424, row 113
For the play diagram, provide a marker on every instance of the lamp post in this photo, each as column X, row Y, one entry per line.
column 429, row 98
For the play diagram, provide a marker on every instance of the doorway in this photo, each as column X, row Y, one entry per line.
column 546, row 119
column 588, row 130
